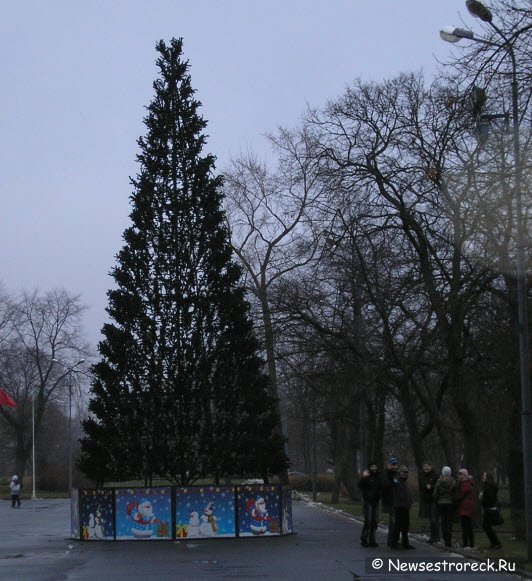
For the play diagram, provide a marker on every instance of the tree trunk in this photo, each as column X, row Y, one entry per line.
column 516, row 483
column 345, row 460
column 269, row 340
column 374, row 427
column 411, row 422
column 515, row 461
column 445, row 441
column 344, row 457
column 305, row 433
column 335, row 496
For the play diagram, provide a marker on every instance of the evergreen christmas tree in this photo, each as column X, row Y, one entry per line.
column 179, row 390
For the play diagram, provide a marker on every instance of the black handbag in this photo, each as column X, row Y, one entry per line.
column 495, row 516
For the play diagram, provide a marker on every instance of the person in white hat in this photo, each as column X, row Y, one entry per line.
column 444, row 496
column 14, row 487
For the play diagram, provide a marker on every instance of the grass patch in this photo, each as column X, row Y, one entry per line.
column 27, row 486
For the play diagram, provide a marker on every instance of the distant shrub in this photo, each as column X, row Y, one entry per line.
column 324, row 482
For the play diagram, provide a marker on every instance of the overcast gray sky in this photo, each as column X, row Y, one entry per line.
column 78, row 74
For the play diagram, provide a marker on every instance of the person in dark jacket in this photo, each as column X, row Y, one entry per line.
column 489, row 501
column 430, row 508
column 402, row 502
column 371, row 487
column 389, row 478
column 444, row 498
column 465, row 500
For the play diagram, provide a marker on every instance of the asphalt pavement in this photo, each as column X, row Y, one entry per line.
column 35, row 545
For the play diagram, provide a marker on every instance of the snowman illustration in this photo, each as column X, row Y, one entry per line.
column 141, row 514
column 194, row 522
column 259, row 515
column 96, row 523
column 208, row 521
column 92, row 526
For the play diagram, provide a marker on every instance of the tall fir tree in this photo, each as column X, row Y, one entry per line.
column 179, row 390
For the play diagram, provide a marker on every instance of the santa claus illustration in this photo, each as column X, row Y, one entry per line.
column 256, row 508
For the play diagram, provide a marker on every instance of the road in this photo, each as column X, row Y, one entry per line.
column 35, row 546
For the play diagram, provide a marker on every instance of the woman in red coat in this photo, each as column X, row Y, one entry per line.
column 465, row 501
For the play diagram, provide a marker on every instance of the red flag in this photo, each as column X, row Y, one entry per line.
column 5, row 399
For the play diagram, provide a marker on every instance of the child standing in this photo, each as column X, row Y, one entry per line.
column 14, row 487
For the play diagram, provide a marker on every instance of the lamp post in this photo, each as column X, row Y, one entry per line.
column 451, row 34
column 33, row 493
column 69, row 372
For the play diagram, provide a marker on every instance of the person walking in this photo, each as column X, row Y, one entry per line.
column 444, row 491
column 402, row 502
column 389, row 478
column 430, row 508
column 465, row 501
column 14, row 488
column 489, row 508
column 371, row 487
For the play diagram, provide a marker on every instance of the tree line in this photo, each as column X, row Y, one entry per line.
column 380, row 253
column 39, row 329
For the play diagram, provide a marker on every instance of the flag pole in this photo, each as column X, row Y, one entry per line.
column 33, row 495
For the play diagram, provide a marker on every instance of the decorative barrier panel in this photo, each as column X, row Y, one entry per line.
column 286, row 499
column 143, row 513
column 205, row 512
column 96, row 514
column 173, row 512
column 259, row 510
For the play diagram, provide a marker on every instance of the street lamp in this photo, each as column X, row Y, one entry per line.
column 450, row 34
column 478, row 10
column 33, row 492
column 69, row 372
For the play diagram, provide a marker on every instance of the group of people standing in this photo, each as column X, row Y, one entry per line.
column 442, row 498
column 396, row 498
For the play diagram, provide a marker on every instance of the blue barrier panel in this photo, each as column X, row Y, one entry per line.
column 96, row 510
column 286, row 511
column 170, row 512
column 205, row 512
column 259, row 510
column 144, row 513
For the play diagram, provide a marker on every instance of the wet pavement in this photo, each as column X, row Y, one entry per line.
column 35, row 545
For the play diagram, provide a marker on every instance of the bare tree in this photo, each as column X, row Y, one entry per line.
column 494, row 72
column 270, row 216
column 44, row 326
column 6, row 315
column 397, row 144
